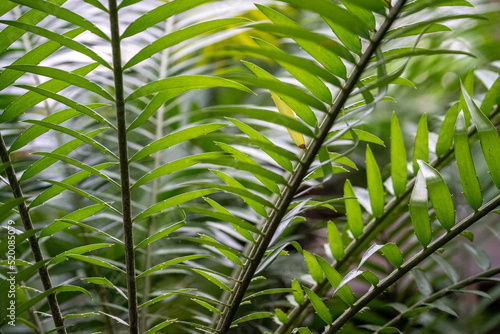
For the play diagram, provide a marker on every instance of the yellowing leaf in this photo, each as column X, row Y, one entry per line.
column 283, row 108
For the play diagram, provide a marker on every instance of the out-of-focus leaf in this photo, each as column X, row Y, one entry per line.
column 466, row 169
column 253, row 316
column 298, row 293
column 159, row 326
column 445, row 138
column 399, row 172
column 423, row 284
column 170, row 263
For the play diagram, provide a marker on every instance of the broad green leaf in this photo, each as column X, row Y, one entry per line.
column 206, row 305
column 327, row 58
column 212, row 279
column 64, row 14
column 180, row 84
column 280, row 92
column 10, row 34
column 298, row 293
column 30, row 99
column 238, row 155
column 252, row 133
column 78, row 250
column 67, row 77
column 361, row 12
column 314, row 268
column 177, row 165
column 34, row 57
column 489, row 137
column 36, row 131
column 170, row 263
column 419, row 211
column 392, row 254
column 335, row 241
column 77, row 215
column 465, row 164
column 94, row 261
column 78, row 135
column 319, row 306
column 353, row 210
column 176, row 138
column 310, row 81
column 491, row 98
column 46, row 162
column 350, row 40
column 70, row 103
column 173, row 201
column 253, row 316
column 82, row 193
column 282, row 317
column 439, row 194
column 259, row 208
column 105, row 281
column 375, row 186
column 421, row 148
column 371, row 278
column 180, row 36
column 224, row 217
column 81, row 165
column 61, row 39
column 445, row 138
column 335, row 278
column 61, row 288
column 159, row 14
column 159, row 327
column 158, row 235
column 244, row 232
column 399, row 172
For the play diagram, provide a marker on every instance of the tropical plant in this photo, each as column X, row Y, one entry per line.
column 196, row 166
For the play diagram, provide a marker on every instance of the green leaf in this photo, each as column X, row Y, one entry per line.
column 62, row 288
column 439, row 194
column 448, row 268
column 166, row 295
column 206, row 305
column 361, row 12
column 465, row 164
column 180, row 36
column 253, row 134
column 94, row 261
column 158, row 327
column 468, row 87
column 253, row 316
column 392, row 254
column 70, row 103
column 173, row 201
column 225, row 217
column 314, row 268
column 488, row 136
column 350, row 40
column 399, row 171
column 176, row 138
column 335, row 279
column 362, row 135
column 491, row 98
column 61, row 39
column 84, row 138
column 158, row 14
column 298, row 293
column 158, row 235
column 77, row 215
column 371, row 278
column 319, row 306
column 65, row 149
column 423, row 284
column 268, row 292
column 375, row 186
column 335, row 241
column 30, row 99
column 81, row 165
column 170, row 263
column 181, row 84
column 421, row 148
column 479, row 255
column 419, row 211
column 78, row 250
column 244, row 232
column 64, row 14
column 282, row 317
column 213, row 279
column 67, row 77
column 6, row 208
column 445, row 138
column 324, row 56
column 353, row 210
column 63, row 223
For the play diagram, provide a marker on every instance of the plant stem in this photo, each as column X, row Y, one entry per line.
column 445, row 291
column 298, row 175
column 128, row 234
column 164, row 65
column 374, row 225
column 35, row 247
column 410, row 264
